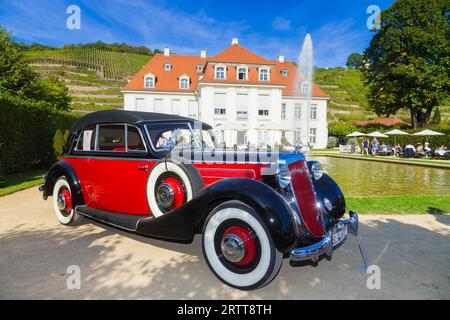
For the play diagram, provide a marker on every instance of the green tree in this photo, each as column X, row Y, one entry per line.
column 408, row 60
column 15, row 74
column 55, row 92
column 354, row 61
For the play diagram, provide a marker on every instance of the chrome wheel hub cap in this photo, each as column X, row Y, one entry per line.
column 61, row 201
column 165, row 195
column 233, row 248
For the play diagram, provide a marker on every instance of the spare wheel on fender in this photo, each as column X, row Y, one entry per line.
column 172, row 184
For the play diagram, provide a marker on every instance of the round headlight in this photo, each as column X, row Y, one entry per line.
column 317, row 170
column 284, row 177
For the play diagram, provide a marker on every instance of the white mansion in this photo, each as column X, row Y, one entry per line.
column 245, row 97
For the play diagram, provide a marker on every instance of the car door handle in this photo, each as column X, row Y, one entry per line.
column 143, row 168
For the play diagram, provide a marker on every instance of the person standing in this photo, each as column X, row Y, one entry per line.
column 365, row 147
column 374, row 146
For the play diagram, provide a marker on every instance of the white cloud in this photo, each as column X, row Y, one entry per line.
column 281, row 24
column 335, row 41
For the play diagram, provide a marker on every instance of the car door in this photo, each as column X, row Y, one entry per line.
column 119, row 170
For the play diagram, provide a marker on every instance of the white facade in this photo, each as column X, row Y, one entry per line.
column 286, row 115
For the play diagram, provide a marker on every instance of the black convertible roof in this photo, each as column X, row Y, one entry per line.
column 130, row 117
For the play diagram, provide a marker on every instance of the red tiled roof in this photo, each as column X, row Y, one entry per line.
column 388, row 122
column 187, row 64
column 238, row 54
column 168, row 80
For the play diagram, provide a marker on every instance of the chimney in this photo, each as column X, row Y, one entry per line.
column 166, row 52
column 281, row 59
column 203, row 54
column 234, row 41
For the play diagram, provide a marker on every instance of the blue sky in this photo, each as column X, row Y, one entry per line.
column 270, row 28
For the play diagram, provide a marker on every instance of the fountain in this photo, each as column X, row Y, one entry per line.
column 304, row 79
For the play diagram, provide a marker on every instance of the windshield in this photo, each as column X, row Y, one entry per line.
column 165, row 136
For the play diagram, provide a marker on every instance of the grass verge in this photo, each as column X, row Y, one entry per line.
column 404, row 204
column 20, row 181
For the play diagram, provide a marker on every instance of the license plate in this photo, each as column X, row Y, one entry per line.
column 340, row 234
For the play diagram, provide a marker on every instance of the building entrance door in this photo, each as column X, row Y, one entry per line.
column 241, row 138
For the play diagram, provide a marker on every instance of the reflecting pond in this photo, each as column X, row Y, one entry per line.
column 363, row 178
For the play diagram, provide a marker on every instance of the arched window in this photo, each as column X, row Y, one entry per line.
column 220, row 72
column 263, row 74
column 149, row 81
column 305, row 88
column 184, row 82
column 199, row 68
column 242, row 73
column 167, row 67
column 284, row 72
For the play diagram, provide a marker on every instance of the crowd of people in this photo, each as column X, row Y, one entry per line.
column 420, row 150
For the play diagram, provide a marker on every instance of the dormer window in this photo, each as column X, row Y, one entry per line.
column 284, row 72
column 242, row 73
column 220, row 72
column 184, row 82
column 199, row 68
column 305, row 88
column 167, row 67
column 263, row 74
column 149, row 81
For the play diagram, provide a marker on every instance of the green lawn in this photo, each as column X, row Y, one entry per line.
column 405, row 204
column 21, row 181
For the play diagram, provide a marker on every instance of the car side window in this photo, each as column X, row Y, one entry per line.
column 134, row 140
column 111, row 137
column 86, row 140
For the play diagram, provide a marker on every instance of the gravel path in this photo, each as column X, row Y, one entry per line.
column 412, row 251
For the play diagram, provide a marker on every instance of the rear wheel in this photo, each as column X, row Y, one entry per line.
column 63, row 205
column 238, row 247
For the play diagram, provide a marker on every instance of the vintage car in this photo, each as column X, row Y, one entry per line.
column 161, row 176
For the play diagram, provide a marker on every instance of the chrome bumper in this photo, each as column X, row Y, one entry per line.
column 325, row 246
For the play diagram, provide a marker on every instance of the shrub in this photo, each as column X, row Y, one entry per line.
column 332, row 142
column 340, row 129
column 436, row 117
column 2, row 176
column 58, row 143
column 27, row 129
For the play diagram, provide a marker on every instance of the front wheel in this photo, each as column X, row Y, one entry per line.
column 238, row 247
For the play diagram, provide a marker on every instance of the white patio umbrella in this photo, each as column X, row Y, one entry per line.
column 428, row 133
column 396, row 133
column 377, row 134
column 355, row 134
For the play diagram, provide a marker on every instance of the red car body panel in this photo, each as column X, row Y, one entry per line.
column 215, row 172
column 116, row 185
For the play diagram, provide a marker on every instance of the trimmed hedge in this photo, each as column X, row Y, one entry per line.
column 27, row 129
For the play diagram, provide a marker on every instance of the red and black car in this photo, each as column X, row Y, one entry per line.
column 161, row 176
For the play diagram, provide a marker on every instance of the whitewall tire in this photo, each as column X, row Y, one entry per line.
column 179, row 188
column 63, row 205
column 238, row 247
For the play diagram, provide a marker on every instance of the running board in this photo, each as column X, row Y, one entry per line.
column 127, row 222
